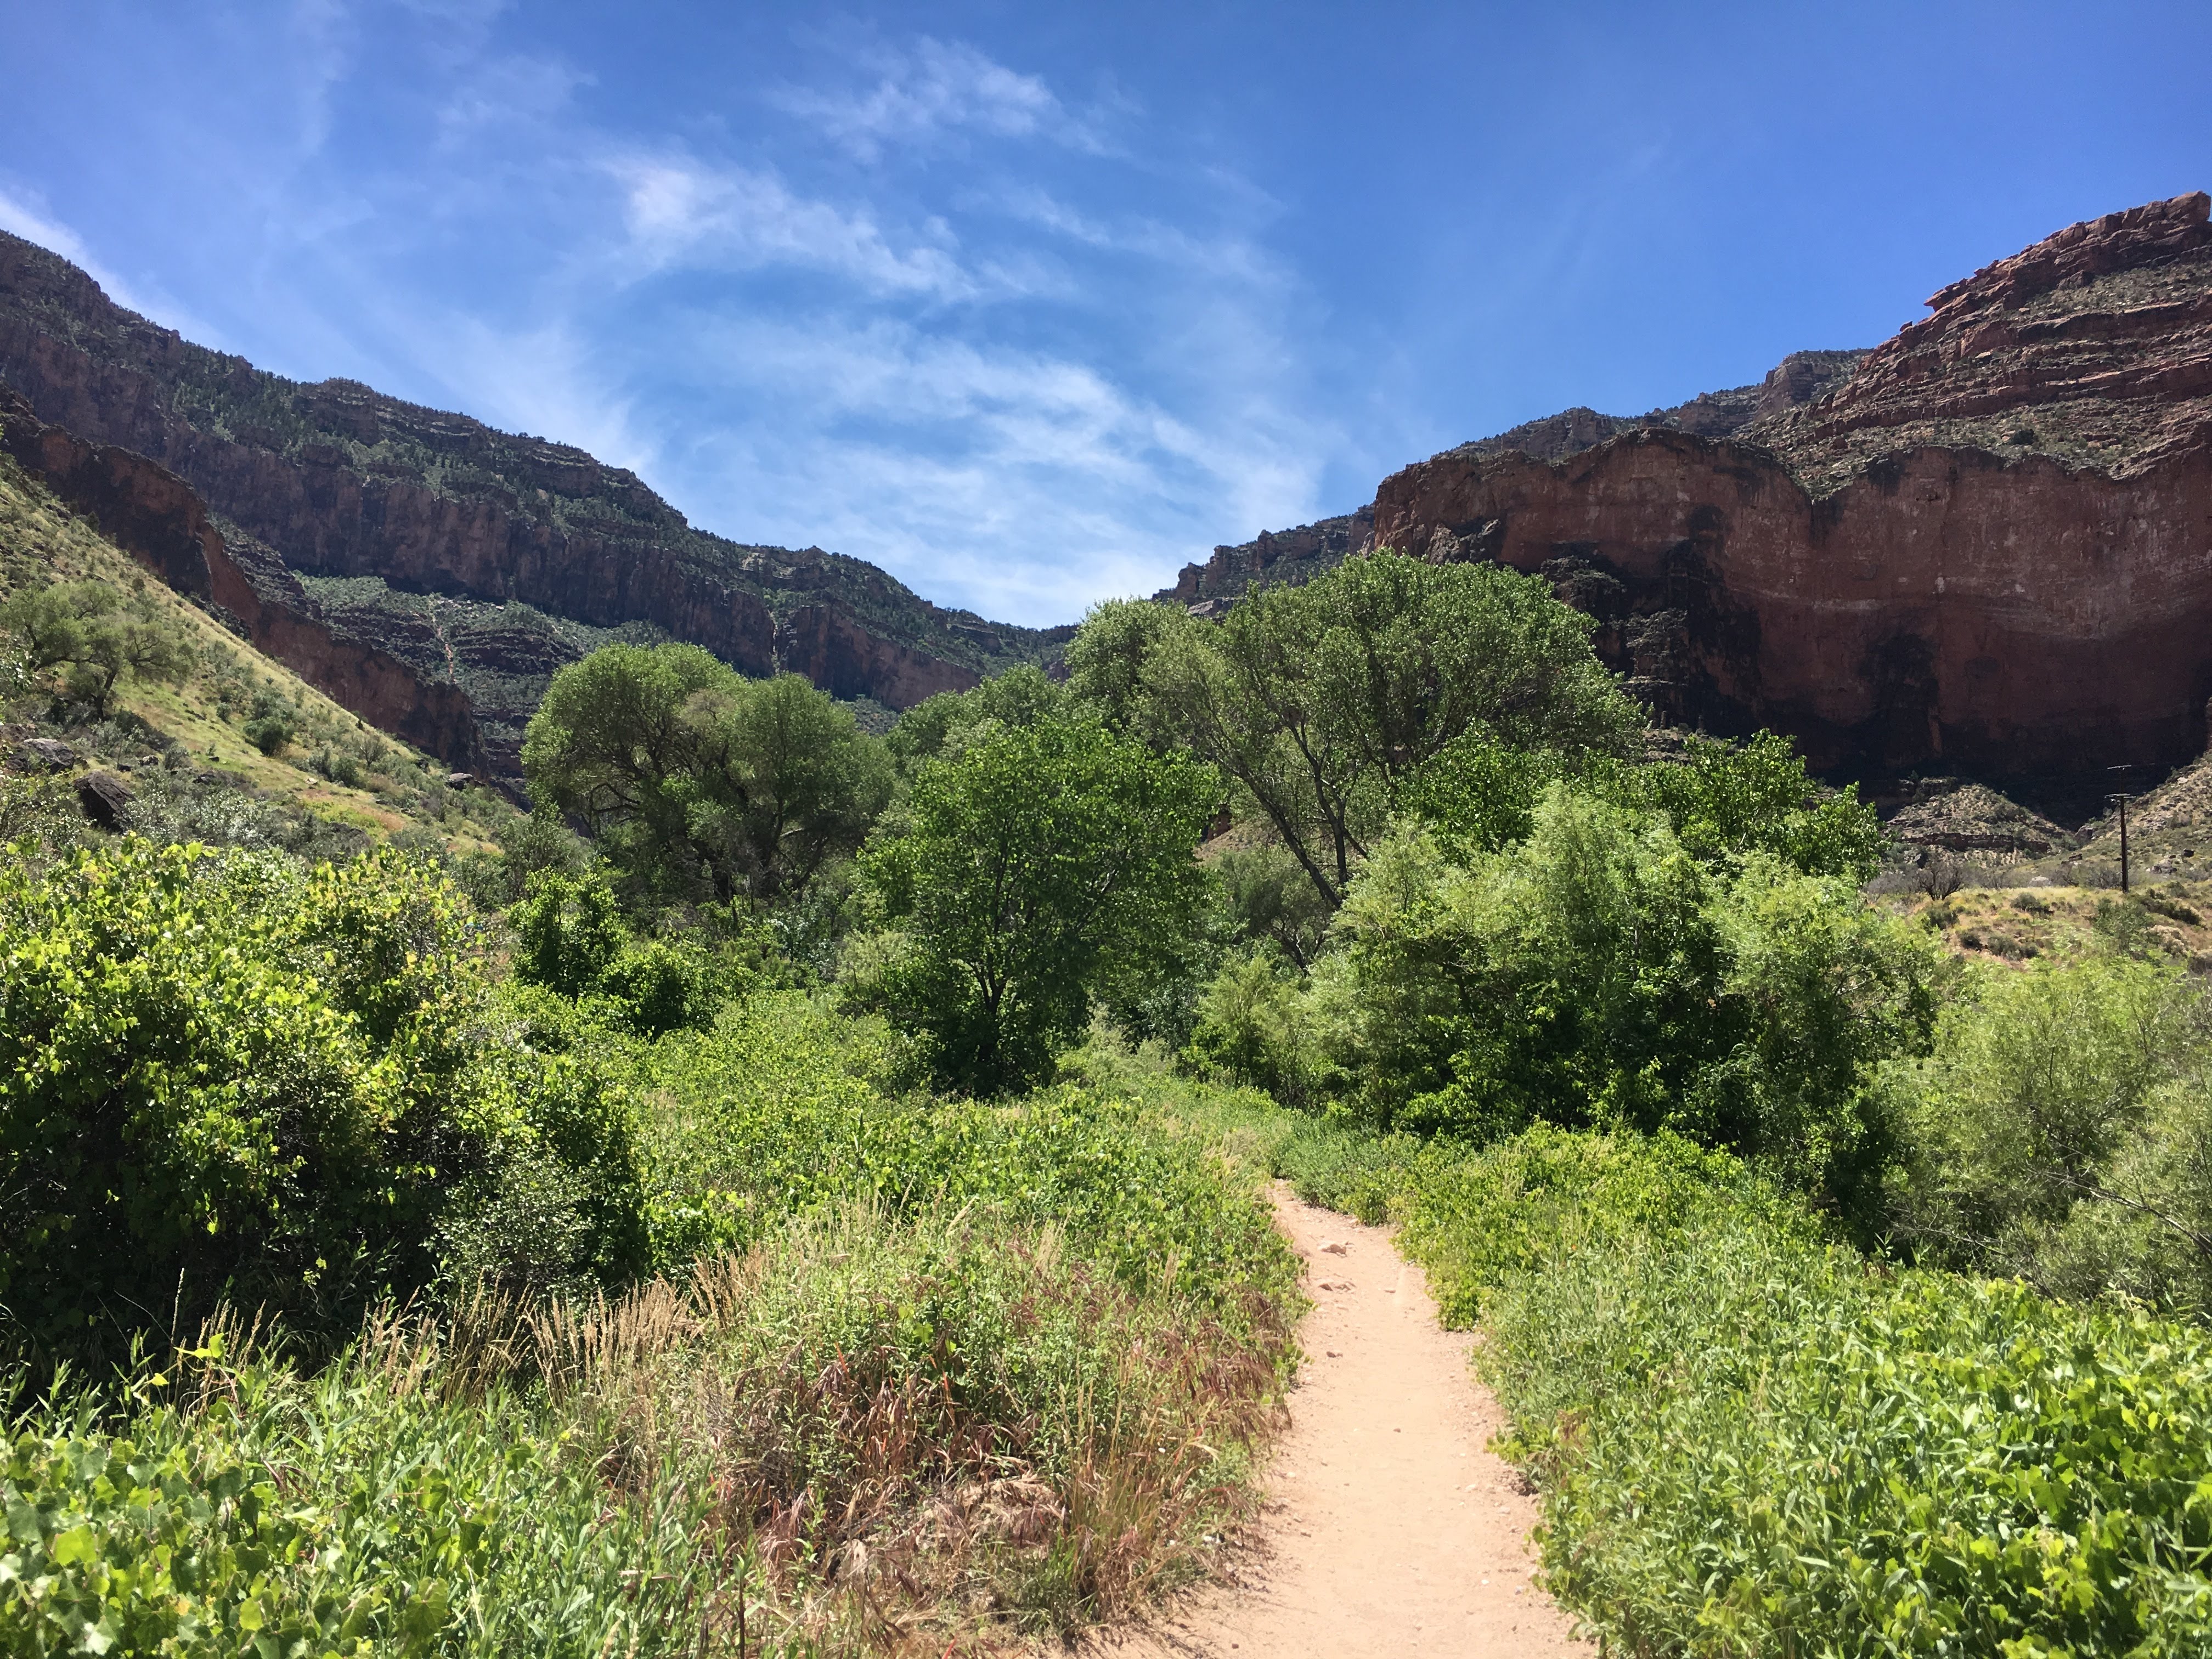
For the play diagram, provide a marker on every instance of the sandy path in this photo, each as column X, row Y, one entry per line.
column 1387, row 1527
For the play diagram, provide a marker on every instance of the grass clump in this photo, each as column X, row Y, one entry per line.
column 862, row 1429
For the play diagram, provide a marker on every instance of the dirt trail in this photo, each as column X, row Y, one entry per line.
column 1387, row 1527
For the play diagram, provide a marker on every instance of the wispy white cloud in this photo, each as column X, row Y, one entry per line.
column 933, row 88
column 992, row 376
column 320, row 33
column 516, row 91
column 1024, row 484
column 679, row 211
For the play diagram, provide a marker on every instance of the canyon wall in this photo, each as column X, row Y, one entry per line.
column 1987, row 551
column 341, row 483
column 158, row 519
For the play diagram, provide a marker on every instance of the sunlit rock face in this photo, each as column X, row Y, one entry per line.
column 1987, row 549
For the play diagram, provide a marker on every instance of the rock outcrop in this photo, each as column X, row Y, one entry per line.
column 155, row 516
column 1273, row 556
column 1988, row 551
column 1301, row 554
column 341, row 483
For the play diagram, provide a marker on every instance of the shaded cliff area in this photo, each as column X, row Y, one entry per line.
column 1988, row 550
column 480, row 560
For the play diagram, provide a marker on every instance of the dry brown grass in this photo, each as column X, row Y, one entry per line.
column 868, row 1486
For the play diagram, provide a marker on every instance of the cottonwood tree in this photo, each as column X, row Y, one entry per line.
column 689, row 773
column 1323, row 700
column 1030, row 867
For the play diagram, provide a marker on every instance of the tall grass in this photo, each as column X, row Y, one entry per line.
column 866, row 1433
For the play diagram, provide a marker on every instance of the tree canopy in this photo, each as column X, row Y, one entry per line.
column 1321, row 701
column 692, row 776
column 1029, row 865
column 97, row 636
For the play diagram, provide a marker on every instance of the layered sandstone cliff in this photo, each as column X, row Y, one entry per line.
column 155, row 516
column 1989, row 550
column 411, row 507
column 1303, row 553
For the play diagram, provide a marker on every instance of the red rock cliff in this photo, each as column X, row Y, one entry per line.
column 1990, row 550
column 155, row 516
column 339, row 483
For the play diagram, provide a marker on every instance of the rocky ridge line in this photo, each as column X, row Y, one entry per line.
column 341, row 483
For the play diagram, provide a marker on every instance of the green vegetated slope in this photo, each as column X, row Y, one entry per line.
column 801, row 1191
column 233, row 748
column 619, row 1321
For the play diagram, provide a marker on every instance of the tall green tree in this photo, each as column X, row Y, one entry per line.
column 691, row 775
column 1322, row 702
column 1030, row 866
column 951, row 721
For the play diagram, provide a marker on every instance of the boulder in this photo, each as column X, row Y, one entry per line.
column 49, row 752
column 105, row 799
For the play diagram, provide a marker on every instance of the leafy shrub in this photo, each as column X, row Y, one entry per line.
column 568, row 931
column 1595, row 974
column 271, row 725
column 338, row 766
column 658, row 986
column 1251, row 1026
column 221, row 1076
column 570, row 940
column 2062, row 1130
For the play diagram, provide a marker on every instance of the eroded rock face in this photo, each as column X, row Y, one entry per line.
column 2030, row 612
column 334, row 482
column 1301, row 554
column 1272, row 558
column 155, row 516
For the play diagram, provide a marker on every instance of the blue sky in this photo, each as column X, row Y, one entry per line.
column 1032, row 303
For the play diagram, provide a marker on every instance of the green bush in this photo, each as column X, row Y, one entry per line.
column 353, row 1514
column 2062, row 1130
column 1251, row 1025
column 1594, row 975
column 222, row 1076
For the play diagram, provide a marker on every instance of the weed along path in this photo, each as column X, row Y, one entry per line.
column 1387, row 1528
